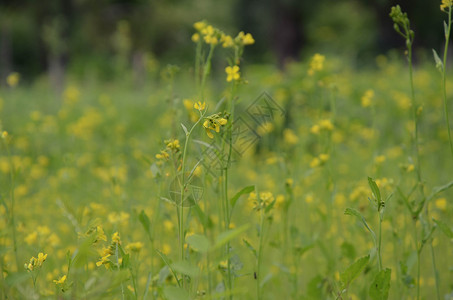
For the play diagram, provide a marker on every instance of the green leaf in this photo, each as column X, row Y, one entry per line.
column 168, row 263
column 185, row 129
column 228, row 235
column 143, row 218
column 354, row 212
column 353, row 271
column 126, row 261
column 185, row 267
column 246, row 190
column 175, row 293
column 445, row 228
column 199, row 243
column 379, row 289
column 250, row 247
column 439, row 189
column 439, row 64
column 375, row 190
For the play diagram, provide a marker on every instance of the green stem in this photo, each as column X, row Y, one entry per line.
column 418, row 260
column 207, row 69
column 260, row 255
column 380, row 238
column 444, row 79
column 436, row 273
column 180, row 207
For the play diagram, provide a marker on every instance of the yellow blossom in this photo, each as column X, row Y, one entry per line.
column 446, row 4
column 441, row 204
column 4, row 134
column 195, row 37
column 227, row 41
column 61, row 280
column 134, row 247
column 200, row 106
column 316, row 63
column 232, row 73
column 13, row 79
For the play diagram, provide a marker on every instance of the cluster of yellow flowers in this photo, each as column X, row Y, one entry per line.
column 446, row 4
column 109, row 251
column 213, row 36
column 316, row 63
column 367, row 98
column 265, row 199
column 35, row 262
column 213, row 123
column 319, row 161
column 323, row 125
column 172, row 145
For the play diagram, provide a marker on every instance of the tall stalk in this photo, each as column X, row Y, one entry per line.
column 444, row 77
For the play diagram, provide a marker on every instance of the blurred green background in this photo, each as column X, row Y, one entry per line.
column 103, row 38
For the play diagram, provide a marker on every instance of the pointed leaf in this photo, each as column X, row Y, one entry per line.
column 185, row 129
column 379, row 289
column 439, row 189
column 246, row 190
column 439, row 64
column 250, row 247
column 185, row 267
column 228, row 235
column 199, row 243
column 445, row 228
column 353, row 271
column 144, row 220
column 374, row 189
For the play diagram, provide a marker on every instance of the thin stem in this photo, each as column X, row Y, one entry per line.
column 436, row 273
column 418, row 260
column 380, row 238
column 444, row 79
column 260, row 255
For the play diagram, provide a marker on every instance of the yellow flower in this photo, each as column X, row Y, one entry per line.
column 367, row 98
column 199, row 25
column 441, row 204
column 232, row 73
column 104, row 261
column 116, row 238
column 248, row 39
column 227, row 41
column 41, row 258
column 316, row 63
column 61, row 280
column 195, row 37
column 13, row 79
column 173, row 145
column 213, row 123
column 200, row 106
column 4, row 134
column 162, row 155
column 326, row 125
column 446, row 4
column 134, row 247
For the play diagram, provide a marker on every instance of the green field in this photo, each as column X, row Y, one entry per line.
column 209, row 181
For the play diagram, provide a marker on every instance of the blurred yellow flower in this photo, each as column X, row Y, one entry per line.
column 199, row 106
column 316, row 63
column 61, row 280
column 13, row 79
column 232, row 73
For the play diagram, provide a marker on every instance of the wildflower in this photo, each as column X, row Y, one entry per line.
column 326, row 125
column 104, row 261
column 226, row 40
column 213, row 123
column 173, row 145
column 315, row 162
column 265, row 199
column 316, row 63
column 446, row 4
column 367, row 98
column 4, row 134
column 36, row 262
column 134, row 247
column 232, row 73
column 195, row 37
column 441, row 204
column 200, row 106
column 13, row 79
column 379, row 159
column 61, row 280
column 290, row 137
column 162, row 155
column 199, row 25
column 244, row 39
column 116, row 238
